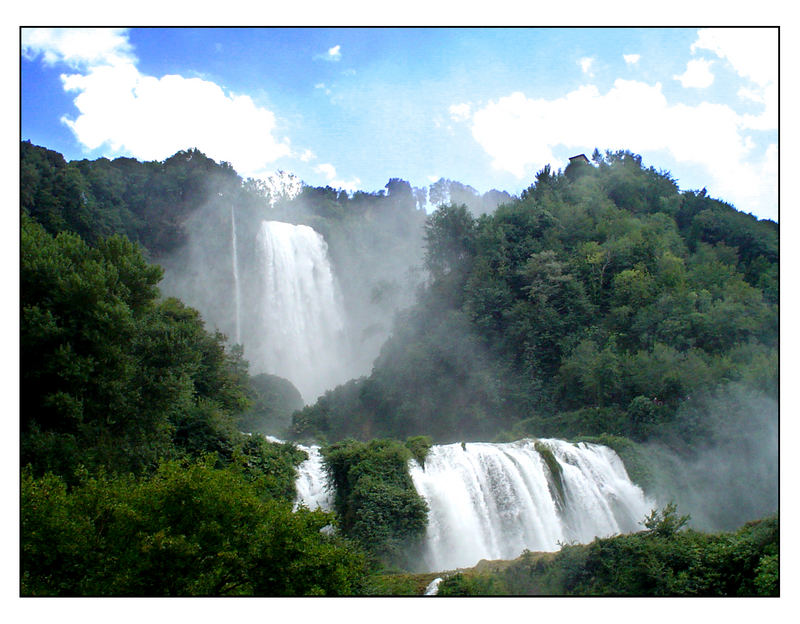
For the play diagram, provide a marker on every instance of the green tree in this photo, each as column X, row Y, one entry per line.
column 111, row 376
column 189, row 530
column 449, row 244
column 375, row 497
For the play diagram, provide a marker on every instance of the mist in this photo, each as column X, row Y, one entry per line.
column 361, row 267
column 307, row 289
column 732, row 477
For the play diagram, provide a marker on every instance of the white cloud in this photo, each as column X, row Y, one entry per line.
column 333, row 54
column 631, row 59
column 753, row 55
column 152, row 118
column 586, row 64
column 329, row 171
column 752, row 52
column 698, row 74
column 460, row 112
column 754, row 95
column 77, row 47
column 520, row 133
column 326, row 169
column 307, row 155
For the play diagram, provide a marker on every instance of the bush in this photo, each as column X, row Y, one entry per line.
column 375, row 497
column 662, row 561
column 190, row 530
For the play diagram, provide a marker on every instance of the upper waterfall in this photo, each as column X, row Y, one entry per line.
column 301, row 320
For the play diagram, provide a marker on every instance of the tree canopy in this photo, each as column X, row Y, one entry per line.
column 600, row 301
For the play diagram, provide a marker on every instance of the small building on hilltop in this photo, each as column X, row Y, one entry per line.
column 577, row 165
column 579, row 158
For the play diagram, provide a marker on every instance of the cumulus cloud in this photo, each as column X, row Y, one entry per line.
column 78, row 47
column 698, row 74
column 631, row 59
column 152, row 118
column 586, row 64
column 329, row 171
column 752, row 53
column 520, row 133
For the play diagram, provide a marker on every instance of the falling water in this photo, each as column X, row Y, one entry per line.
column 236, row 291
column 433, row 587
column 492, row 501
column 302, row 323
column 312, row 482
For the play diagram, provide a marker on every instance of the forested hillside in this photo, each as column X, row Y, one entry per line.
column 603, row 304
column 602, row 301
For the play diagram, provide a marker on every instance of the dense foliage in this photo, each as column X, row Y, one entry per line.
column 148, row 202
column 661, row 561
column 273, row 399
column 110, row 375
column 136, row 480
column 189, row 530
column 602, row 301
column 375, row 497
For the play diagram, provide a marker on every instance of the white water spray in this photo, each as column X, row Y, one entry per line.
column 236, row 288
column 433, row 587
column 312, row 482
column 492, row 501
column 302, row 323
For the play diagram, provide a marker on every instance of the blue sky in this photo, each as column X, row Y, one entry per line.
column 353, row 107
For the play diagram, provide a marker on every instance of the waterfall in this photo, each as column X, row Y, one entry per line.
column 492, row 501
column 312, row 482
column 301, row 328
column 236, row 289
column 433, row 587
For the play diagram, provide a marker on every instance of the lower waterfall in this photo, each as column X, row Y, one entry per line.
column 492, row 501
column 312, row 483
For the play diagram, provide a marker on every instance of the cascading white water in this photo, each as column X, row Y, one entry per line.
column 492, row 501
column 236, row 288
column 312, row 482
column 302, row 323
column 433, row 587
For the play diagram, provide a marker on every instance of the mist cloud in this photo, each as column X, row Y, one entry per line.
column 732, row 477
